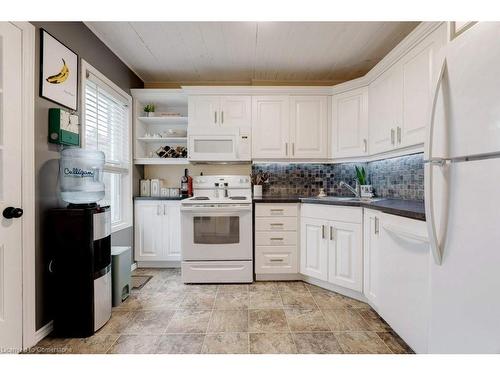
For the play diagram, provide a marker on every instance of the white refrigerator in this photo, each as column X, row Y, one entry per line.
column 462, row 195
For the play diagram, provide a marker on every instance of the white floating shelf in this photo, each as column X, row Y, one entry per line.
column 161, row 161
column 162, row 139
column 165, row 120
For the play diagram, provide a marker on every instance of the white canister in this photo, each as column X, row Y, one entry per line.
column 145, row 187
column 257, row 191
column 164, row 192
column 155, row 187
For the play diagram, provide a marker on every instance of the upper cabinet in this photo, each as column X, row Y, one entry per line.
column 308, row 127
column 385, row 109
column 400, row 98
column 220, row 111
column 270, row 127
column 289, row 127
column 350, row 123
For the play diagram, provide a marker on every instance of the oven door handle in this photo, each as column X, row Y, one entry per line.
column 216, row 209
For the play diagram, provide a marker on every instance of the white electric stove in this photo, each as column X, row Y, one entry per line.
column 216, row 231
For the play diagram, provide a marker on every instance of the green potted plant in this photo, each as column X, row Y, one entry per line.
column 149, row 109
column 366, row 190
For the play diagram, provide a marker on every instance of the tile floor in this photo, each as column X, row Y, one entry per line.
column 167, row 316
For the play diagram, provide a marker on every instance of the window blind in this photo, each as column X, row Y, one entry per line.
column 106, row 123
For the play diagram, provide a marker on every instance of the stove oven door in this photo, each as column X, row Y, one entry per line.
column 217, row 233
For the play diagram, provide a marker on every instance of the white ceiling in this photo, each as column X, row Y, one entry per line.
column 249, row 52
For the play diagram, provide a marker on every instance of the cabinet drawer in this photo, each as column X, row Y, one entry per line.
column 276, row 259
column 277, row 224
column 281, row 209
column 275, row 238
column 331, row 212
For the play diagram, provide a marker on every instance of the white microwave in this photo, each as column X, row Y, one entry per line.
column 225, row 145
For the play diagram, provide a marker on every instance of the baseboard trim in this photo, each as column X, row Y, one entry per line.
column 159, row 264
column 133, row 267
column 334, row 288
column 278, row 277
column 43, row 332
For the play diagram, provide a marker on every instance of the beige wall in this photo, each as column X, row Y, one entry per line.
column 172, row 173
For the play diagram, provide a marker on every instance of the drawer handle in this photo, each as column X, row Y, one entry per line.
column 276, row 224
column 276, row 238
column 276, row 260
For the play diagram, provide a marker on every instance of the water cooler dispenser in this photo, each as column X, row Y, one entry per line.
column 79, row 239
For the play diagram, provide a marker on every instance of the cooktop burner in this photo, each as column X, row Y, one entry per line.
column 200, row 198
column 238, row 198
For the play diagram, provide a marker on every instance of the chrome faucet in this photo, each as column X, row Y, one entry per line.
column 351, row 189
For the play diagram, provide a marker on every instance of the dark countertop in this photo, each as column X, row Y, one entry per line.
column 278, row 199
column 158, row 198
column 406, row 208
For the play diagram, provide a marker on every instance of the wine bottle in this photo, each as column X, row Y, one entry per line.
column 184, row 184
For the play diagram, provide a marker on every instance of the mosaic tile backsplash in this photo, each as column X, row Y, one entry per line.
column 401, row 177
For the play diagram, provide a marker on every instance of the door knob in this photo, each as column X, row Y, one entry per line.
column 12, row 213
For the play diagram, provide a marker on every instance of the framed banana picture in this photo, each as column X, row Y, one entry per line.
column 58, row 72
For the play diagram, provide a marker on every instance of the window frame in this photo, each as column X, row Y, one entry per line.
column 127, row 178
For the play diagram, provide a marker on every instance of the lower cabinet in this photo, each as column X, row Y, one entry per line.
column 331, row 245
column 276, row 239
column 371, row 256
column 157, row 230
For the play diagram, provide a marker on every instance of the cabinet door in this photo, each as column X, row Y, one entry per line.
column 308, row 127
column 371, row 254
column 235, row 111
column 149, row 240
column 172, row 230
column 314, row 248
column 345, row 258
column 203, row 110
column 350, row 123
column 270, row 127
column 417, row 85
column 385, row 109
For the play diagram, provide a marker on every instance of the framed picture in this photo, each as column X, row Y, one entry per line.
column 58, row 72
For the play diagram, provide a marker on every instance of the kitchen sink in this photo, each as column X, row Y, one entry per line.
column 350, row 199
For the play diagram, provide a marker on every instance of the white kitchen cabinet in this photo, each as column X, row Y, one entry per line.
column 157, row 230
column 220, row 111
column 345, row 256
column 308, row 127
column 400, row 98
column 385, row 109
column 350, row 123
column 276, row 240
column 403, row 293
column 331, row 245
column 371, row 254
column 270, row 127
column 314, row 248
column 419, row 67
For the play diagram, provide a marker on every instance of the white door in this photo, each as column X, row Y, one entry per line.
column 149, row 231
column 350, row 123
column 172, row 230
column 371, row 254
column 270, row 127
column 418, row 67
column 385, row 109
column 236, row 111
column 314, row 248
column 308, row 127
column 345, row 258
column 10, row 193
column 203, row 110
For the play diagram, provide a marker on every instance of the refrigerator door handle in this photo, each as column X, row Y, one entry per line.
column 437, row 251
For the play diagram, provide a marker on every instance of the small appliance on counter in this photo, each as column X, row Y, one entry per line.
column 79, row 239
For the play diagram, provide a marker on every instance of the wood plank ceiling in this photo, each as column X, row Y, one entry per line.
column 167, row 54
